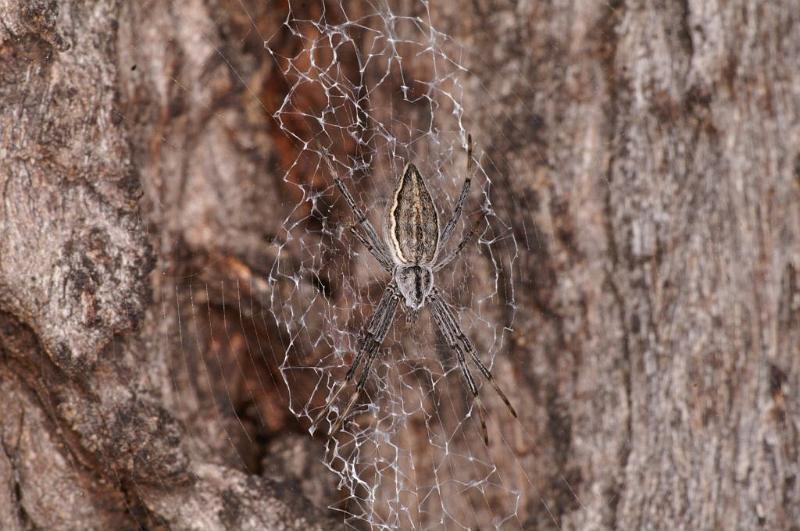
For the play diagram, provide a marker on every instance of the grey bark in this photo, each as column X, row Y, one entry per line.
column 647, row 156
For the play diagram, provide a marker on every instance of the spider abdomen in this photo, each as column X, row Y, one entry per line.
column 413, row 222
column 415, row 283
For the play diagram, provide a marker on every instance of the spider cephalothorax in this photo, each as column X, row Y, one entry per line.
column 412, row 253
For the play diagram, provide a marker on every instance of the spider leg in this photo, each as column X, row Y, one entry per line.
column 370, row 237
column 458, row 341
column 345, row 412
column 360, row 352
column 474, row 390
column 327, row 406
column 445, row 325
column 372, row 336
column 488, row 375
column 451, row 225
column 362, row 382
column 374, row 244
column 444, row 262
column 370, row 247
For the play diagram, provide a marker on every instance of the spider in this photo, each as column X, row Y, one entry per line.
column 412, row 253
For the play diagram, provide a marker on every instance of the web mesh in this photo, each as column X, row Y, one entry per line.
column 370, row 87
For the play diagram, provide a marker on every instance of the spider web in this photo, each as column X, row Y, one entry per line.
column 367, row 87
column 371, row 88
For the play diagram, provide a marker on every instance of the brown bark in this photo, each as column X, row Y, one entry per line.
column 646, row 155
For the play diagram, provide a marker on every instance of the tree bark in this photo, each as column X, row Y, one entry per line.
column 646, row 156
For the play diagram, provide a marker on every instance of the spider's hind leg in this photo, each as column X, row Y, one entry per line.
column 346, row 411
column 360, row 352
column 475, row 398
column 365, row 348
column 372, row 337
column 327, row 405
column 446, row 322
column 362, row 382
column 488, row 375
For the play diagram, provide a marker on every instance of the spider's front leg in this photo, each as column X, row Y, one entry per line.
column 369, row 238
column 462, row 198
column 363, row 229
column 443, row 261
column 372, row 336
column 446, row 260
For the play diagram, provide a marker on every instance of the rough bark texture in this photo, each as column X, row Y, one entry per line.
column 646, row 154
